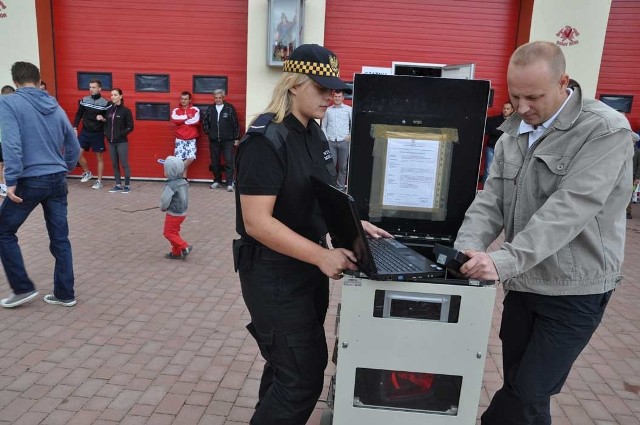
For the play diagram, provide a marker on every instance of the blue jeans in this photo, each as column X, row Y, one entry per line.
column 488, row 159
column 50, row 191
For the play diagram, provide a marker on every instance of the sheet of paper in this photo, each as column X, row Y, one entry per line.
column 410, row 173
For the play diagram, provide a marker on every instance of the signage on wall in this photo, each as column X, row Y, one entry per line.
column 567, row 36
column 377, row 70
column 3, row 9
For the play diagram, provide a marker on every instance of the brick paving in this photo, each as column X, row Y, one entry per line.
column 157, row 341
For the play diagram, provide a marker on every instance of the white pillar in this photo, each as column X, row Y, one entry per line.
column 583, row 50
column 262, row 78
column 19, row 35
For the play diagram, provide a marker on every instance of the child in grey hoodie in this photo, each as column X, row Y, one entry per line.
column 175, row 200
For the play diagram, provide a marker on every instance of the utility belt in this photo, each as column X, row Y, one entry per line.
column 246, row 252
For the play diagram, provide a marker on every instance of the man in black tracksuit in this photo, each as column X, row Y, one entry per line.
column 221, row 125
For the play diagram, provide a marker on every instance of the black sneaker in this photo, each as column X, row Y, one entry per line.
column 116, row 188
column 126, row 189
column 51, row 299
column 187, row 250
column 171, row 256
column 15, row 300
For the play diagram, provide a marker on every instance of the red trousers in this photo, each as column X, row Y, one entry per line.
column 172, row 233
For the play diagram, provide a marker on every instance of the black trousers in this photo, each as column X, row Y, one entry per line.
column 541, row 338
column 288, row 302
column 215, row 149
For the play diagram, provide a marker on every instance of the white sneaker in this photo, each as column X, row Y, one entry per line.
column 86, row 176
column 97, row 185
column 229, row 188
column 215, row 185
column 3, row 192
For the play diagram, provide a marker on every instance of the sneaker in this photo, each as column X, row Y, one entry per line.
column 171, row 256
column 215, row 185
column 187, row 250
column 51, row 299
column 3, row 192
column 116, row 188
column 16, row 300
column 126, row 189
column 229, row 188
column 86, row 176
column 97, row 185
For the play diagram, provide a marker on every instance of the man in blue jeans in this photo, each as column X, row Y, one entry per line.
column 39, row 147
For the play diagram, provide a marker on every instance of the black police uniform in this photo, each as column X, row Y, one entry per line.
column 287, row 298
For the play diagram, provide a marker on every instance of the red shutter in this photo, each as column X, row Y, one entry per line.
column 179, row 38
column 620, row 67
column 377, row 32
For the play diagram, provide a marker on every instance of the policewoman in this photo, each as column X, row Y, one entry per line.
column 281, row 255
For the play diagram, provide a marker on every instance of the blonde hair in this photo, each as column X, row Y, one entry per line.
column 282, row 99
column 540, row 51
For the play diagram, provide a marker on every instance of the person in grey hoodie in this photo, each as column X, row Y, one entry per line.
column 40, row 148
column 175, row 201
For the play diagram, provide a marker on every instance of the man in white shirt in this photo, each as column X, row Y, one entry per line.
column 337, row 127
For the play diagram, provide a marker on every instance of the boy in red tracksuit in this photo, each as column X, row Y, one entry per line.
column 186, row 118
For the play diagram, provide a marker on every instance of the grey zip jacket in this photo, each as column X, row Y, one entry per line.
column 175, row 196
column 561, row 203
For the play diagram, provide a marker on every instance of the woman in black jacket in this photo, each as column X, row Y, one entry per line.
column 119, row 123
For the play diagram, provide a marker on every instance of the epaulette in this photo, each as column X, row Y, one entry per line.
column 260, row 124
column 276, row 135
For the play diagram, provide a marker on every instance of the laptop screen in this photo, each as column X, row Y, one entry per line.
column 343, row 222
column 415, row 151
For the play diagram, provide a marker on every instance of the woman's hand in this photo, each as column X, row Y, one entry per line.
column 335, row 261
column 375, row 231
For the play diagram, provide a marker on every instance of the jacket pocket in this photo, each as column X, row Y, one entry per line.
column 508, row 172
column 548, row 170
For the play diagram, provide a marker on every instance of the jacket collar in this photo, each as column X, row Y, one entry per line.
column 563, row 121
column 294, row 124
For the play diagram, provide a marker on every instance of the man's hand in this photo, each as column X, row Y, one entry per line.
column 334, row 261
column 100, row 118
column 480, row 266
column 11, row 194
column 236, row 142
column 347, row 139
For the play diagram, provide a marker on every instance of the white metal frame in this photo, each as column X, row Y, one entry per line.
column 411, row 345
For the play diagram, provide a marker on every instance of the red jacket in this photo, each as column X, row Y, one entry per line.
column 186, row 120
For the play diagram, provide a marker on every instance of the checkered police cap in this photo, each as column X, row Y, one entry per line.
column 319, row 63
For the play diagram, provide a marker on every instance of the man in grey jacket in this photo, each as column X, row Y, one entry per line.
column 558, row 188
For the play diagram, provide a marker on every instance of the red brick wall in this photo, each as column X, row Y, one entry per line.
column 180, row 38
column 620, row 67
column 377, row 32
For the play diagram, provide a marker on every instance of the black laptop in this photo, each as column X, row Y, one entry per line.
column 379, row 259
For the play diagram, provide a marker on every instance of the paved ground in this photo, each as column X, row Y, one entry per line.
column 157, row 341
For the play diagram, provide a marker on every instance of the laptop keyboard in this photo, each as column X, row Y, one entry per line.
column 387, row 260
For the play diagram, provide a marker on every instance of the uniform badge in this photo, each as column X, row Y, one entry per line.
column 333, row 63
